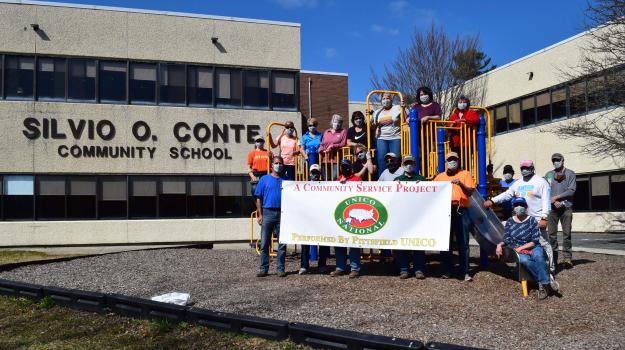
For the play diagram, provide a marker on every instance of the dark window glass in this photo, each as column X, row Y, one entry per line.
column 50, row 199
column 617, row 192
column 19, row 76
column 200, row 86
column 1, row 96
column 514, row 116
column 616, row 87
column 201, row 196
column 142, row 83
column 256, row 89
column 249, row 202
column 173, row 198
column 171, row 83
column 143, row 197
column 112, row 81
column 501, row 119
column 528, row 113
column 543, row 108
column 597, row 97
column 81, row 202
column 600, row 186
column 558, row 103
column 582, row 194
column 229, row 197
column 51, row 78
column 113, row 194
column 228, row 87
column 81, row 80
column 18, row 197
column 577, row 98
column 283, row 90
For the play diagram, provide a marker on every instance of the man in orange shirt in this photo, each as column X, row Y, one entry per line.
column 258, row 162
column 462, row 188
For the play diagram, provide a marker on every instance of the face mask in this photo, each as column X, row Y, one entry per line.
column 520, row 210
column 359, row 122
column 362, row 156
column 424, row 98
column 387, row 103
column 315, row 176
column 312, row 128
column 336, row 125
column 259, row 145
column 507, row 177
column 346, row 171
column 409, row 168
column 277, row 167
column 289, row 132
column 392, row 167
column 557, row 164
column 527, row 172
column 452, row 165
column 462, row 106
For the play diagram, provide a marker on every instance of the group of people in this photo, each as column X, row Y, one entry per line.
column 533, row 205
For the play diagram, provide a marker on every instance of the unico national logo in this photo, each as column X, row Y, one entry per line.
column 360, row 215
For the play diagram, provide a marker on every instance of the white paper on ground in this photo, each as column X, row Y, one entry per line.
column 174, row 298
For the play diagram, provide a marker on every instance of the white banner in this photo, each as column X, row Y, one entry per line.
column 382, row 215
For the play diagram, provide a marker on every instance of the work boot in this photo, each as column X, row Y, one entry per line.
column 261, row 274
column 419, row 275
column 354, row 274
column 567, row 264
column 542, row 292
column 337, row 273
column 281, row 274
column 404, row 275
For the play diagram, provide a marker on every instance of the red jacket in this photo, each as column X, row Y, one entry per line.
column 469, row 116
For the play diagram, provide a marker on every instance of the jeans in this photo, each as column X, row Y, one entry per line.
column 305, row 257
column 418, row 260
column 536, row 264
column 563, row 215
column 460, row 230
column 382, row 148
column 322, row 256
column 271, row 222
column 289, row 172
column 341, row 258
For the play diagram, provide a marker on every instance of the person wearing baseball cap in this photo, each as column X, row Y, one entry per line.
column 258, row 162
column 507, row 181
column 462, row 188
column 392, row 167
column 562, row 182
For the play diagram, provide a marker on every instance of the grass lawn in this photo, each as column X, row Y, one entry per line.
column 15, row 256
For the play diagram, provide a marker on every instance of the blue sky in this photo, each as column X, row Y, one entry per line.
column 350, row 36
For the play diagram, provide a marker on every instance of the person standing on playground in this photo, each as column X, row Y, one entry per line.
column 331, row 142
column 462, row 188
column 563, row 185
column 288, row 148
column 505, row 183
column 402, row 256
column 358, row 133
column 387, row 129
column 310, row 142
column 462, row 115
column 268, row 202
column 427, row 108
column 258, row 162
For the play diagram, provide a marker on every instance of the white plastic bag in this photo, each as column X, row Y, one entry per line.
column 174, row 298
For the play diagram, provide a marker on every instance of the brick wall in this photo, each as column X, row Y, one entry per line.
column 329, row 96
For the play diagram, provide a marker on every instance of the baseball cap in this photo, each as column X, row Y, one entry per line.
column 451, row 154
column 315, row 167
column 390, row 154
column 259, row 139
column 557, row 156
column 526, row 163
column 407, row 158
column 519, row 201
column 507, row 169
column 346, row 162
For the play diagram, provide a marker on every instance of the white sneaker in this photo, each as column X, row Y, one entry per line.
column 467, row 278
column 302, row 271
column 555, row 286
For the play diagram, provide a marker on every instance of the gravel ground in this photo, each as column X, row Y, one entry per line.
column 488, row 312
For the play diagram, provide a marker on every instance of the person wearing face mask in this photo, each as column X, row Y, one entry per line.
column 331, row 142
column 387, row 130
column 358, row 132
column 402, row 256
column 462, row 188
column 521, row 233
column 505, row 183
column 311, row 140
column 427, row 109
column 315, row 175
column 562, row 182
column 268, row 201
column 462, row 115
column 287, row 141
column 363, row 162
column 258, row 162
column 393, row 168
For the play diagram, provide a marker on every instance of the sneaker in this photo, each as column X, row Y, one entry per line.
column 567, row 264
column 261, row 274
column 281, row 274
column 542, row 292
column 302, row 271
column 354, row 274
column 467, row 278
column 336, row 273
column 323, row 270
column 419, row 275
column 555, row 286
column 404, row 275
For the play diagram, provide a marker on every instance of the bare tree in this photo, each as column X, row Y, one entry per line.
column 603, row 133
column 434, row 59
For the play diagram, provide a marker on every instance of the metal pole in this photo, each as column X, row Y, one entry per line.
column 413, row 121
column 309, row 97
column 440, row 135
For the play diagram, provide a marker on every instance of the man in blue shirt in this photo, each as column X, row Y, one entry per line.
column 268, row 201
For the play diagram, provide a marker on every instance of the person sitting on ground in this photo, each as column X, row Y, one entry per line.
column 258, row 162
column 393, row 168
column 402, row 256
column 521, row 233
column 331, row 142
column 287, row 141
column 358, row 132
column 363, row 162
column 310, row 142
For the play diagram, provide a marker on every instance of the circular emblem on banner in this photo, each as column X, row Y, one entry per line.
column 360, row 215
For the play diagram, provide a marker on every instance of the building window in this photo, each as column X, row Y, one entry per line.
column 172, row 79
column 228, row 87
column 577, row 98
column 528, row 113
column 600, row 192
column 283, row 90
column 200, row 86
column 113, row 194
column 18, row 199
column 543, row 108
column 617, row 192
column 501, row 119
column 581, row 199
column 514, row 116
column 256, row 89
column 81, row 80
column 1, row 89
column 597, row 98
column 558, row 103
column 615, row 85
column 172, row 198
column 112, row 82
column 81, row 202
column 19, row 77
column 50, row 201
column 142, row 83
column 143, row 197
column 229, row 197
column 51, row 78
column 201, row 196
